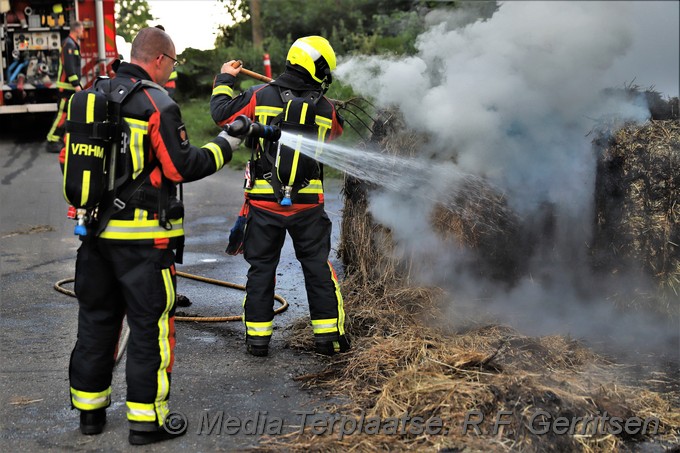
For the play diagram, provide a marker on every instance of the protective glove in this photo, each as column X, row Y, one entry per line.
column 234, row 142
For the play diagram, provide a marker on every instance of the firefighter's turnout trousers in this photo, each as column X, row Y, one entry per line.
column 112, row 280
column 310, row 230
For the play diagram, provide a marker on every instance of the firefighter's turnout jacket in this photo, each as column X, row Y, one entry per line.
column 68, row 79
column 268, row 221
column 129, row 269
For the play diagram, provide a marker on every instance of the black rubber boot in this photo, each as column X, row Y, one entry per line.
column 54, row 147
column 258, row 350
column 327, row 346
column 177, row 428
column 92, row 422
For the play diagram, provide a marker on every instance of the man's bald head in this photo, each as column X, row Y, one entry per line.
column 149, row 43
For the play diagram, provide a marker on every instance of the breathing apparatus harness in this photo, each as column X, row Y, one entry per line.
column 97, row 168
column 283, row 167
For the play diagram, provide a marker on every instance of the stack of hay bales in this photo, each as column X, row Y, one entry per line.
column 403, row 363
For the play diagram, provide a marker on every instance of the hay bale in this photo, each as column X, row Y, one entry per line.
column 475, row 216
column 638, row 204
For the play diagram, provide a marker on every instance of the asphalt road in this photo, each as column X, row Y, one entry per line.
column 212, row 376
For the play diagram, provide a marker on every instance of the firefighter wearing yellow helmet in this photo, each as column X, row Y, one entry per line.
column 284, row 191
column 315, row 55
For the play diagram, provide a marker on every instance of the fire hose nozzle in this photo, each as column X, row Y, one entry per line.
column 242, row 126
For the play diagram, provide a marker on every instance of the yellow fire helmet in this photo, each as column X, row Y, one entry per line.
column 315, row 55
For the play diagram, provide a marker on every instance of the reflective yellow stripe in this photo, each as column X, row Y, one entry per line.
column 173, row 75
column 73, row 78
column 76, row 52
column 65, row 86
column 261, row 186
column 315, row 186
column 293, row 171
column 259, row 329
column 322, row 121
column 141, row 214
column 285, row 117
column 87, row 401
column 325, row 325
column 217, row 154
column 267, row 110
column 163, row 387
column 144, row 229
column 338, row 297
column 324, row 125
column 138, row 131
column 89, row 109
column 223, row 89
column 137, row 124
column 50, row 135
column 140, row 412
column 85, row 188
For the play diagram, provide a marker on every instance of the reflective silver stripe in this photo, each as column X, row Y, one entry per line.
column 140, row 412
column 309, row 50
column 134, row 229
column 91, row 401
column 260, row 329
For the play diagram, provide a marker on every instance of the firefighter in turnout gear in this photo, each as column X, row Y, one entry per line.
column 68, row 82
column 126, row 267
column 296, row 98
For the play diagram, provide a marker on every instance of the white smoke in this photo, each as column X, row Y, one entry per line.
column 511, row 99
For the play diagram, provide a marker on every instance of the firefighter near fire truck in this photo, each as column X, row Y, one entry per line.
column 284, row 191
column 68, row 82
column 125, row 265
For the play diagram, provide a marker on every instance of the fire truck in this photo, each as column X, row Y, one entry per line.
column 31, row 35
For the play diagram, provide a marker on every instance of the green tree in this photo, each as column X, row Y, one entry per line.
column 132, row 16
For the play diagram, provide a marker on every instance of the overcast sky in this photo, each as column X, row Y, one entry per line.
column 653, row 59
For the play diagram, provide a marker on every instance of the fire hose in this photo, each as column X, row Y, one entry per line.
column 125, row 333
column 284, row 303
